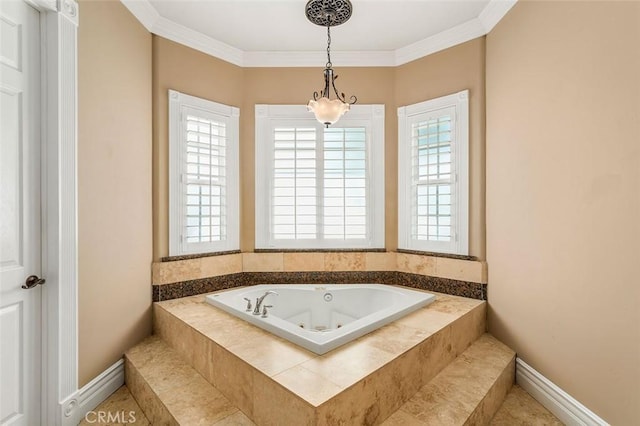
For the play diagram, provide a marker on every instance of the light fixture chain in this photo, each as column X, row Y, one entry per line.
column 329, row 44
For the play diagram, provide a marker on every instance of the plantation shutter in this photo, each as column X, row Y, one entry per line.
column 294, row 205
column 319, row 187
column 432, row 176
column 205, row 178
column 345, row 183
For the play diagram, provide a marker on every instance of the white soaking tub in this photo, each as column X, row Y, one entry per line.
column 321, row 317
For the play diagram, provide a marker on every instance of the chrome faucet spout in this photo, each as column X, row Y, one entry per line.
column 259, row 300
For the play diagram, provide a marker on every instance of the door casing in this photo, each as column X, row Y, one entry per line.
column 59, row 23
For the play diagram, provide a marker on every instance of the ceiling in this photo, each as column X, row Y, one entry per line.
column 277, row 32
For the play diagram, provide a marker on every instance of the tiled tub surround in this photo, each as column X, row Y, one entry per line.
column 189, row 277
column 362, row 382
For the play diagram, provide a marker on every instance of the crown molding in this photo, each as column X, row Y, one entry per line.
column 196, row 40
column 143, row 11
column 441, row 41
column 313, row 59
column 494, row 12
column 477, row 27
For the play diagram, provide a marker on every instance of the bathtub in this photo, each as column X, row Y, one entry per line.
column 321, row 317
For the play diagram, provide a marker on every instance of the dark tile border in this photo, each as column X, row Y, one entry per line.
column 423, row 282
column 197, row 256
column 434, row 254
column 371, row 250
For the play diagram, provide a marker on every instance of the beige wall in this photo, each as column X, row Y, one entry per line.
column 114, row 184
column 449, row 71
column 563, row 196
column 184, row 69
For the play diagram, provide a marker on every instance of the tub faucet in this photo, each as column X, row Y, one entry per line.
column 259, row 300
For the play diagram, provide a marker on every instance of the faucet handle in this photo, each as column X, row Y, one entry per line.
column 248, row 304
column 265, row 314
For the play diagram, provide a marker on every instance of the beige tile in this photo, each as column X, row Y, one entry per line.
column 469, row 328
column 453, row 304
column 354, row 406
column 402, row 418
column 158, row 373
column 262, row 262
column 189, row 309
column 121, row 403
column 233, row 377
column 458, row 269
column 236, row 419
column 299, row 262
column 415, row 264
column 469, row 389
column 171, row 272
column 344, row 261
column 163, row 369
column 202, row 358
column 380, row 261
column 396, row 382
column 520, row 409
column 270, row 354
column 375, row 398
column 489, row 353
column 148, row 401
column 428, row 320
column 440, row 404
column 212, row 266
column 493, row 399
column 225, row 329
column 396, row 338
column 178, row 334
column 435, row 354
column 198, row 403
column 308, row 385
column 349, row 363
column 229, row 331
column 274, row 405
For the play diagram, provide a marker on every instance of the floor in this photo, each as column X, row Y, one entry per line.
column 519, row 408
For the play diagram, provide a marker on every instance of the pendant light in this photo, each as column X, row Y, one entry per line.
column 329, row 13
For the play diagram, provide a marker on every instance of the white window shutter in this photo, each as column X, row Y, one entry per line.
column 294, row 204
column 321, row 192
column 203, row 178
column 345, row 183
column 433, row 175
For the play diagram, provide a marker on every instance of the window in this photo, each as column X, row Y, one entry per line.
column 203, row 176
column 433, row 175
column 319, row 187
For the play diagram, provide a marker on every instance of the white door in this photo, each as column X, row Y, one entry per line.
column 20, row 309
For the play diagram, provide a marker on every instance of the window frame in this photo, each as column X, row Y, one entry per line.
column 270, row 116
column 407, row 116
column 229, row 115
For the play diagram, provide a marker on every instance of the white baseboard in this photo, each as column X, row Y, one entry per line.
column 74, row 408
column 554, row 399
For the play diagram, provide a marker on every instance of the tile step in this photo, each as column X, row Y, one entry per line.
column 519, row 408
column 469, row 391
column 361, row 383
column 170, row 392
